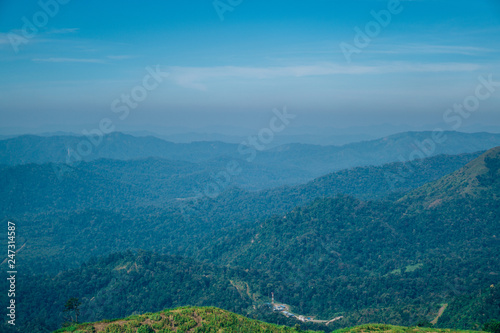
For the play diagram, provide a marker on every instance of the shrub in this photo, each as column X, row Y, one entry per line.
column 145, row 329
column 114, row 328
column 492, row 326
column 155, row 317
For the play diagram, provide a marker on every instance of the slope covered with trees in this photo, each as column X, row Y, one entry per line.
column 392, row 261
column 210, row 319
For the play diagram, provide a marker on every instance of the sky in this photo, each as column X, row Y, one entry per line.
column 68, row 64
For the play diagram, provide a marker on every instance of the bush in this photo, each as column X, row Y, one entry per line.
column 114, row 328
column 492, row 326
column 155, row 317
column 145, row 329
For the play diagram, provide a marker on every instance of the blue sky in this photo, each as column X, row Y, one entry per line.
column 262, row 55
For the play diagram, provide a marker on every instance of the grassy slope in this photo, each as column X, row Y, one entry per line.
column 210, row 319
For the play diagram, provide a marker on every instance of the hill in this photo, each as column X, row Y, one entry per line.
column 334, row 256
column 472, row 309
column 95, row 208
column 124, row 283
column 311, row 160
column 114, row 184
column 210, row 319
column 331, row 257
column 398, row 147
column 480, row 177
column 68, row 148
column 343, row 249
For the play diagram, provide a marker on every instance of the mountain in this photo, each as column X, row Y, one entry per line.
column 343, row 249
column 367, row 261
column 114, row 184
column 398, row 147
column 311, row 160
column 479, row 178
column 93, row 209
column 71, row 149
column 472, row 309
column 121, row 284
column 211, row 319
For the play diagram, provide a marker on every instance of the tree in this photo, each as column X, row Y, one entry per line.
column 72, row 308
column 492, row 326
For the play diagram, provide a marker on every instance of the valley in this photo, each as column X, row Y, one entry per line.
column 326, row 247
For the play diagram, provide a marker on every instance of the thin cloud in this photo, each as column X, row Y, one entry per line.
column 4, row 39
column 436, row 49
column 67, row 60
column 196, row 77
column 120, row 57
column 63, row 31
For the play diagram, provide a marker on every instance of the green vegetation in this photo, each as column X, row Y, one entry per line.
column 473, row 310
column 186, row 319
column 492, row 326
column 324, row 254
column 210, row 319
column 396, row 329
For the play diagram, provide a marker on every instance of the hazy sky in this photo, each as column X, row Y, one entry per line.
column 69, row 64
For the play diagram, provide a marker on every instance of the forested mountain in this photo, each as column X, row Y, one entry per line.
column 122, row 284
column 40, row 149
column 114, row 184
column 334, row 245
column 94, row 208
column 369, row 261
column 472, row 309
column 398, row 147
column 312, row 160
column 209, row 319
column 479, row 178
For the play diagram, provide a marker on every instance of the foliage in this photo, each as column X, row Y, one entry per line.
column 322, row 253
column 492, row 326
column 197, row 319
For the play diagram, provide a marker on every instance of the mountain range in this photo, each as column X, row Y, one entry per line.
column 389, row 243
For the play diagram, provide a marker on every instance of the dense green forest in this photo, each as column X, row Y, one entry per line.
column 325, row 254
column 472, row 309
column 210, row 319
column 89, row 214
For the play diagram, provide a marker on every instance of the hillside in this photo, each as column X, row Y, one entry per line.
column 343, row 249
column 95, row 208
column 312, row 160
column 120, row 284
column 40, row 149
column 472, row 309
column 209, row 319
column 398, row 147
column 114, row 184
column 479, row 178
column 334, row 256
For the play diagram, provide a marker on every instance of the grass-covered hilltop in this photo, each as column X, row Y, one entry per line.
column 210, row 319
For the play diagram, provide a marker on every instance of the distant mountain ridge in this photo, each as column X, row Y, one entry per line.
column 368, row 261
column 156, row 182
column 37, row 149
column 312, row 160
